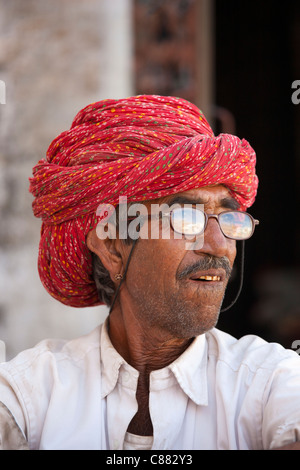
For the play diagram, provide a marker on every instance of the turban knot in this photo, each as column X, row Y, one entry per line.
column 142, row 147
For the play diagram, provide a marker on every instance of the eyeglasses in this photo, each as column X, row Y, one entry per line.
column 191, row 221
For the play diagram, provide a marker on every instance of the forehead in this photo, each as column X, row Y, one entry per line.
column 217, row 195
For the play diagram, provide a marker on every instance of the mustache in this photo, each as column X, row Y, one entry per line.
column 207, row 262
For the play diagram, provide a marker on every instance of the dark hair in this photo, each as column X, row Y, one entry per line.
column 104, row 284
column 101, row 276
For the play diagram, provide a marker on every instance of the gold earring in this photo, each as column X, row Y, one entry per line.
column 118, row 277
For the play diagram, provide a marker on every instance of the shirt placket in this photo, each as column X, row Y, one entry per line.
column 167, row 404
column 121, row 406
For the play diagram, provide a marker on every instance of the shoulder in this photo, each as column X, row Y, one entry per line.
column 55, row 351
column 250, row 350
column 50, row 362
column 257, row 382
column 54, row 373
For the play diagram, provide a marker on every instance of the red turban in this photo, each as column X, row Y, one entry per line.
column 142, row 147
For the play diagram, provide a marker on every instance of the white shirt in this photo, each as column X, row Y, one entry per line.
column 221, row 393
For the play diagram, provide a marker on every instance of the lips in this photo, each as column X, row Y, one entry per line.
column 207, row 270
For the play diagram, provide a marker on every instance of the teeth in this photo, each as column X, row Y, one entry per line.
column 210, row 278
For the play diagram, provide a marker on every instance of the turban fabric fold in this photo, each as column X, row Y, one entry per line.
column 143, row 147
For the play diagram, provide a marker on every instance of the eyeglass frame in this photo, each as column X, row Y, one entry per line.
column 206, row 216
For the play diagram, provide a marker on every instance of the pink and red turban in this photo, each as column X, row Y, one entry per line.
column 143, row 147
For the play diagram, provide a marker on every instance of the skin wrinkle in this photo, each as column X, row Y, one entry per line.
column 159, row 310
column 179, row 313
column 166, row 306
column 140, row 147
column 102, row 277
column 225, row 203
column 117, row 147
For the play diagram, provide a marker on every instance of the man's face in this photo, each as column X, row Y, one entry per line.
column 163, row 285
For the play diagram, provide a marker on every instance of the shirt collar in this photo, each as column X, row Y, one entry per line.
column 189, row 369
column 111, row 361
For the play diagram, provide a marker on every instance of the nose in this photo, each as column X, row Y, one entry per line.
column 214, row 242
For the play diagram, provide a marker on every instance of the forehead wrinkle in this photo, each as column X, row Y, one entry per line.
column 224, row 202
column 182, row 199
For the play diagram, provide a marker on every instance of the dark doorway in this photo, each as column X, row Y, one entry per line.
column 257, row 60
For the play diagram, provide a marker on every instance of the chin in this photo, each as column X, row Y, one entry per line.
column 188, row 324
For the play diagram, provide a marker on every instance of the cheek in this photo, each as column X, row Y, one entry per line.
column 231, row 251
column 155, row 263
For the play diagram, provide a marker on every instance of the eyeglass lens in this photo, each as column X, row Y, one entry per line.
column 237, row 225
column 191, row 221
column 188, row 221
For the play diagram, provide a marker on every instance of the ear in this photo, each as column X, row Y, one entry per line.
column 109, row 251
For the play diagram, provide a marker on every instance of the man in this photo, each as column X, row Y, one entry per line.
column 157, row 374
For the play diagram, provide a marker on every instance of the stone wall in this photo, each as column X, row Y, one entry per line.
column 55, row 57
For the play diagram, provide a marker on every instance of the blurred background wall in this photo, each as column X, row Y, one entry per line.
column 236, row 60
column 55, row 58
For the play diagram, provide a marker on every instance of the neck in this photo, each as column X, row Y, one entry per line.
column 145, row 348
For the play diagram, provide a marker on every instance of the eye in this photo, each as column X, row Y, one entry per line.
column 188, row 221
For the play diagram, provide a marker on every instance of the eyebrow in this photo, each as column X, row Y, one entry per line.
column 229, row 203
column 226, row 202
